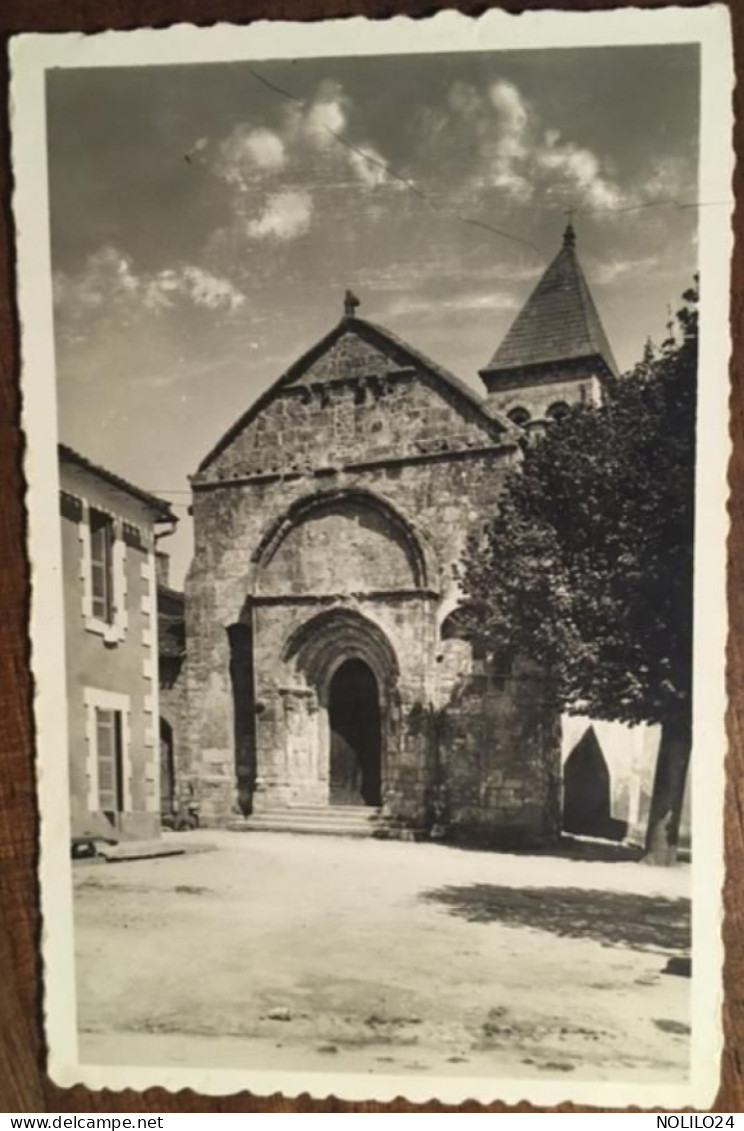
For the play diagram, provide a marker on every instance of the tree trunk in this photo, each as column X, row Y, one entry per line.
column 669, row 790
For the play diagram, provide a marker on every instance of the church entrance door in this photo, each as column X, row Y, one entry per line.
column 354, row 716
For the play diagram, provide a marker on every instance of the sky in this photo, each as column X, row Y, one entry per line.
column 206, row 220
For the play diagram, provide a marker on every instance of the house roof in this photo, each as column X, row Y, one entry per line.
column 160, row 508
column 400, row 351
column 559, row 321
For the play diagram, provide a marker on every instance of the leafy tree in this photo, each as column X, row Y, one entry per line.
column 587, row 567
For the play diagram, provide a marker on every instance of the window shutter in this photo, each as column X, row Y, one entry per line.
column 101, row 566
column 132, row 536
column 70, row 506
column 107, row 761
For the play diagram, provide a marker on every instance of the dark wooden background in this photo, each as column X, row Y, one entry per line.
column 23, row 1083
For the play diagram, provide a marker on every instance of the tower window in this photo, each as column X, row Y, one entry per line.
column 519, row 415
column 557, row 411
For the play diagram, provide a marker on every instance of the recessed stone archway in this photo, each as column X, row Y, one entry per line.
column 355, row 766
column 418, row 569
column 340, row 653
column 324, row 641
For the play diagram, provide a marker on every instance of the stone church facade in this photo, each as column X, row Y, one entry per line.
column 324, row 669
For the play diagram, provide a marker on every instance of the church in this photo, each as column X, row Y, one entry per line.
column 326, row 682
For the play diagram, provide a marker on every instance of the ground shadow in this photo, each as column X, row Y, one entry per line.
column 607, row 851
column 564, row 848
column 642, row 922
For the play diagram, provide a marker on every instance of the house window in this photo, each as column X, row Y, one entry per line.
column 109, row 762
column 101, row 566
column 103, row 548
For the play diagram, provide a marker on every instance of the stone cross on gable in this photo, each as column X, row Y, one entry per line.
column 351, row 302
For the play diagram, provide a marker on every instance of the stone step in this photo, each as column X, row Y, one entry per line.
column 281, row 824
column 327, row 820
column 352, row 813
column 139, row 850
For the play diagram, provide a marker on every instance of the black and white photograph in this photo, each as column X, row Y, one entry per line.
column 375, row 386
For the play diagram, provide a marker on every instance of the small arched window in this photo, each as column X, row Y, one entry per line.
column 455, row 624
column 557, row 411
column 519, row 415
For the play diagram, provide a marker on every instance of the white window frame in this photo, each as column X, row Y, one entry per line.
column 96, row 697
column 114, row 632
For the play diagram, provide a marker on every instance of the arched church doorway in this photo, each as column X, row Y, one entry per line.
column 587, row 808
column 356, row 739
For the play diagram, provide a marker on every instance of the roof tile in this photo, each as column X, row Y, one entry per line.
column 559, row 321
column 162, row 510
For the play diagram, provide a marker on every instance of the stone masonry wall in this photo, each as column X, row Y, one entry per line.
column 537, row 392
column 292, row 712
column 342, row 414
column 500, row 753
column 437, row 464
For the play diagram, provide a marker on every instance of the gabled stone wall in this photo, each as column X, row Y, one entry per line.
column 327, row 527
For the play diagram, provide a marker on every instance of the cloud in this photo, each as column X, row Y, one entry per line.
column 472, row 302
column 403, row 277
column 326, row 115
column 195, row 284
column 573, row 168
column 369, row 166
column 285, row 216
column 507, row 102
column 670, row 179
column 248, row 153
column 604, row 274
column 465, row 100
column 106, row 277
column 313, row 140
column 509, row 148
column 107, row 284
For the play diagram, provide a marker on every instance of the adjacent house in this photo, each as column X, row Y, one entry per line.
column 110, row 530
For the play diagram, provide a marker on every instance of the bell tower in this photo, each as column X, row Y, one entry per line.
column 556, row 352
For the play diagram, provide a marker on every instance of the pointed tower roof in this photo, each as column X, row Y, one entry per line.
column 559, row 321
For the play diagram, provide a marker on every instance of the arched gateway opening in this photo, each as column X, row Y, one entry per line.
column 355, row 733
column 351, row 705
column 587, row 804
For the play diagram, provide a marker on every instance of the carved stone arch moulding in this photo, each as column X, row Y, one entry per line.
column 320, row 645
column 420, row 553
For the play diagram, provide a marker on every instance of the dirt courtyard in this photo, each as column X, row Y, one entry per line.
column 304, row 952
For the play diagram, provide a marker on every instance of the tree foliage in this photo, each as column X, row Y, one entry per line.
column 587, row 568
